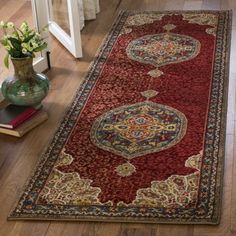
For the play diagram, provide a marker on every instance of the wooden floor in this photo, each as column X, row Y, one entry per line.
column 18, row 157
column 59, row 13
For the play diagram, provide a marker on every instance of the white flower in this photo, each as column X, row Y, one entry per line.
column 14, row 36
column 23, row 26
column 22, row 37
column 35, row 45
column 10, row 25
column 24, row 45
column 24, row 51
column 2, row 24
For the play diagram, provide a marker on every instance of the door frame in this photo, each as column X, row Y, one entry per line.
column 73, row 41
column 40, row 19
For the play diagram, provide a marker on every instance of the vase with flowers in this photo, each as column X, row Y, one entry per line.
column 25, row 87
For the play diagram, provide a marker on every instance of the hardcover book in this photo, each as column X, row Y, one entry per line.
column 22, row 129
column 12, row 116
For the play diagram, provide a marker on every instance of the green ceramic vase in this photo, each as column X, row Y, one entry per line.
column 25, row 87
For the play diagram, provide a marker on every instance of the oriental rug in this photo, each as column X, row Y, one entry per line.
column 144, row 138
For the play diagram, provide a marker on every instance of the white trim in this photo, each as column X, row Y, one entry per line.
column 73, row 42
column 40, row 18
column 40, row 64
column 61, row 35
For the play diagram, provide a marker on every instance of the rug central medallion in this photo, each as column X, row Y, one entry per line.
column 163, row 49
column 138, row 129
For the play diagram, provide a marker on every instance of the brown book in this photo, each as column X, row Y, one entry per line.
column 22, row 129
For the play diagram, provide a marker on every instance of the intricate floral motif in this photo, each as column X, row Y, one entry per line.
column 169, row 27
column 138, row 129
column 203, row 19
column 176, row 191
column 163, row 49
column 194, row 161
column 149, row 93
column 68, row 188
column 140, row 19
column 125, row 169
column 64, row 159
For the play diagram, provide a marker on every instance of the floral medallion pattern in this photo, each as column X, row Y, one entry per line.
column 176, row 191
column 138, row 129
column 125, row 169
column 140, row 19
column 203, row 19
column 128, row 148
column 68, row 188
column 163, row 49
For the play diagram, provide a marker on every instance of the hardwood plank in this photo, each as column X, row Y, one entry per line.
column 108, row 229
column 231, row 104
column 12, row 182
column 132, row 5
column 170, row 5
column 211, row 4
column 71, row 229
column 193, row 5
column 60, row 14
column 233, row 52
column 233, row 194
column 138, row 231
column 7, row 6
column 29, row 229
column 228, row 4
column 183, row 230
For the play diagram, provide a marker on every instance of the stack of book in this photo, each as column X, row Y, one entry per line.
column 18, row 120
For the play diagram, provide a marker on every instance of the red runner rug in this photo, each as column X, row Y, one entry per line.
column 144, row 138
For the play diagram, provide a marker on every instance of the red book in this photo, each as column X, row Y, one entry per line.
column 12, row 116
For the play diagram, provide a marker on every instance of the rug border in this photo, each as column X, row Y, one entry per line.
column 220, row 166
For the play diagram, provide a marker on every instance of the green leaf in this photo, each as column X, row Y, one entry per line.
column 41, row 47
column 4, row 42
column 15, row 43
column 29, row 54
column 6, row 60
column 26, row 40
column 17, row 54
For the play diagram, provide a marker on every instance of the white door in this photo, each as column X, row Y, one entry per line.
column 40, row 18
column 64, row 24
